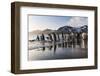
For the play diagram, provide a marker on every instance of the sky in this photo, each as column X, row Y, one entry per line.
column 41, row 22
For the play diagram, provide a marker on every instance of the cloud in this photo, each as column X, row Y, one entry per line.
column 78, row 21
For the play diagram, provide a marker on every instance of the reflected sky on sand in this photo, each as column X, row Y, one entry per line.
column 56, row 50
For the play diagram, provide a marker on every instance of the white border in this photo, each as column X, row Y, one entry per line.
column 25, row 64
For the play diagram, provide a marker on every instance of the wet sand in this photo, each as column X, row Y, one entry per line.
column 52, row 51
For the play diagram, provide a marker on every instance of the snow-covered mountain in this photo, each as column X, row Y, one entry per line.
column 69, row 29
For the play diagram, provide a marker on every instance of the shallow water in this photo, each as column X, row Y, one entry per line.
column 56, row 50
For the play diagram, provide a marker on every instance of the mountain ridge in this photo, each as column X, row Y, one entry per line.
column 64, row 29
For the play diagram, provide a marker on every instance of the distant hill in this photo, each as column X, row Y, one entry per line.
column 47, row 31
column 35, row 32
